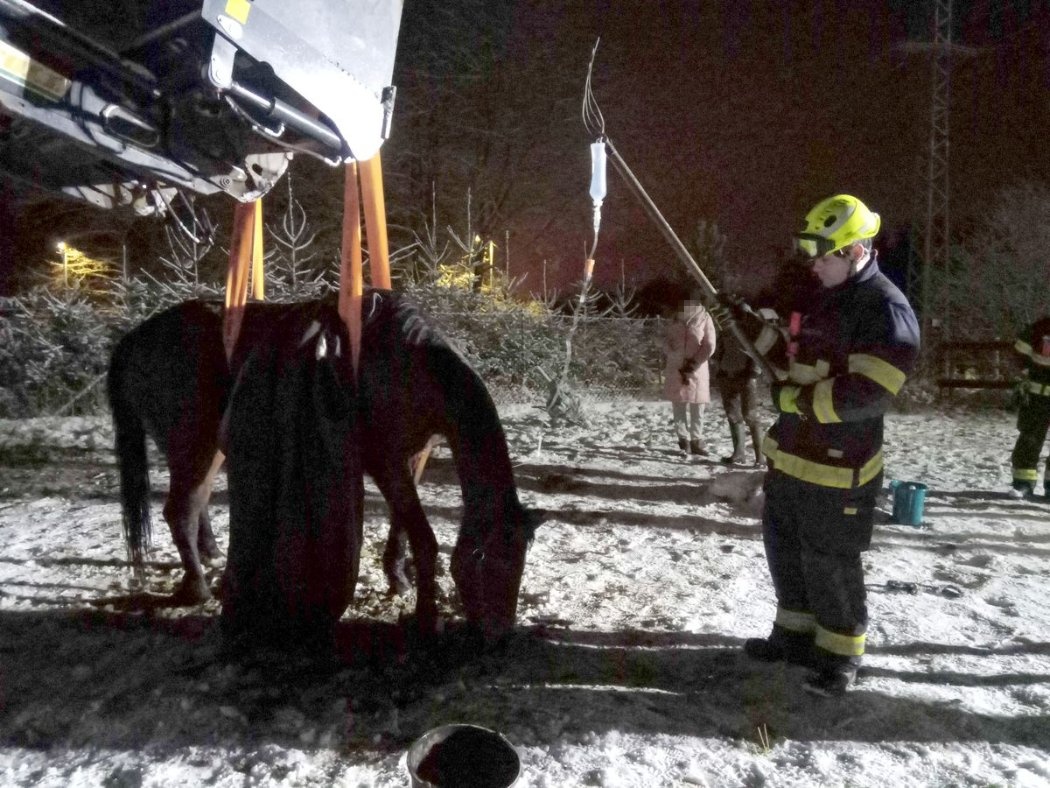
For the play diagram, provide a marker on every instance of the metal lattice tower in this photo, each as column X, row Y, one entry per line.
column 936, row 252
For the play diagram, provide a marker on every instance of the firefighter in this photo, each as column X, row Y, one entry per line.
column 1033, row 416
column 848, row 356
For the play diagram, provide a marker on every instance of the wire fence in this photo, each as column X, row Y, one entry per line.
column 518, row 354
column 54, row 352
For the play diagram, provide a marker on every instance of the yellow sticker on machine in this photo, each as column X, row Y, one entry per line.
column 238, row 9
column 20, row 69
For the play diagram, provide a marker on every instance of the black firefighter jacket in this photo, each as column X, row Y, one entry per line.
column 1034, row 345
column 851, row 356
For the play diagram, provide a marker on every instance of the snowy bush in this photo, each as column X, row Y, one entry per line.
column 52, row 345
column 55, row 345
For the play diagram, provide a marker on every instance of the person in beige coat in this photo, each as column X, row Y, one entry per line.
column 688, row 344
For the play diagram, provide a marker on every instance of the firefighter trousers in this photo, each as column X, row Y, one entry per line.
column 1033, row 422
column 814, row 537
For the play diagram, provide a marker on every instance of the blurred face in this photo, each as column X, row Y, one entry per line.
column 833, row 269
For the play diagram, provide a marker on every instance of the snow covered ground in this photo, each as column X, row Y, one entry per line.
column 626, row 669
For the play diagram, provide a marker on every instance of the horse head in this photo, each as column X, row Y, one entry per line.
column 489, row 560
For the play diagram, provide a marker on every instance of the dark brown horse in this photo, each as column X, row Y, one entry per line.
column 169, row 379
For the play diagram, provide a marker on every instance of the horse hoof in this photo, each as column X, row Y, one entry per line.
column 421, row 629
column 191, row 593
column 211, row 557
column 398, row 588
column 398, row 584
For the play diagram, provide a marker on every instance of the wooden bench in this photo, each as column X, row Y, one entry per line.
column 988, row 364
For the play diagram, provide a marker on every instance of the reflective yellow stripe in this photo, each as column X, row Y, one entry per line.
column 769, row 446
column 870, row 469
column 1037, row 388
column 806, row 374
column 850, row 510
column 786, row 400
column 1025, row 349
column 1026, row 474
column 813, row 472
column 795, row 621
column 879, row 370
column 824, row 403
column 843, row 645
column 817, row 473
column 17, row 67
column 238, row 9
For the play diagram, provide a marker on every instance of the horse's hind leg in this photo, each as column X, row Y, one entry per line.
column 187, row 499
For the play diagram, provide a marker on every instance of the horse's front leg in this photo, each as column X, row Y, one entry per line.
column 408, row 519
column 394, row 557
column 207, row 546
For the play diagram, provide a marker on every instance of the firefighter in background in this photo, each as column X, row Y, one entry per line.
column 849, row 355
column 1033, row 416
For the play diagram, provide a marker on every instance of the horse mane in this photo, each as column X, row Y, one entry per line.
column 461, row 402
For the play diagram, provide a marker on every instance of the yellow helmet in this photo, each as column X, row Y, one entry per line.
column 835, row 223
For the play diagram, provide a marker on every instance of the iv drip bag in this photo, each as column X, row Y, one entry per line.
column 598, row 172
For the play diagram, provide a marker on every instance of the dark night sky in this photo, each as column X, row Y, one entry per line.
column 746, row 113
column 741, row 112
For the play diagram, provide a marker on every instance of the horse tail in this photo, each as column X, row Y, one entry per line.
column 130, row 446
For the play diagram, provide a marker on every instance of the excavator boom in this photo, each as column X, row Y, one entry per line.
column 125, row 102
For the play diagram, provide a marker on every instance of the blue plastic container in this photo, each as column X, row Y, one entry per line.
column 909, row 499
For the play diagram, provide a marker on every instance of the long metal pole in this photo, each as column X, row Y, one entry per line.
column 706, row 287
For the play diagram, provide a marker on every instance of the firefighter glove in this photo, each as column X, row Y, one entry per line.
column 732, row 301
column 1018, row 396
column 728, row 308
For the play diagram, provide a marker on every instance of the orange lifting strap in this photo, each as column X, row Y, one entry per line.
column 362, row 187
column 246, row 255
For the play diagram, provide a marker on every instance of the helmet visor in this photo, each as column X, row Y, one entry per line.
column 812, row 246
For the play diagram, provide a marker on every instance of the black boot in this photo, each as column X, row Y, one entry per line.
column 832, row 681
column 1021, row 489
column 782, row 645
column 756, row 441
column 696, row 448
column 736, row 430
column 683, row 444
column 833, row 673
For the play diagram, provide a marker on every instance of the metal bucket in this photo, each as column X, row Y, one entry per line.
column 462, row 755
